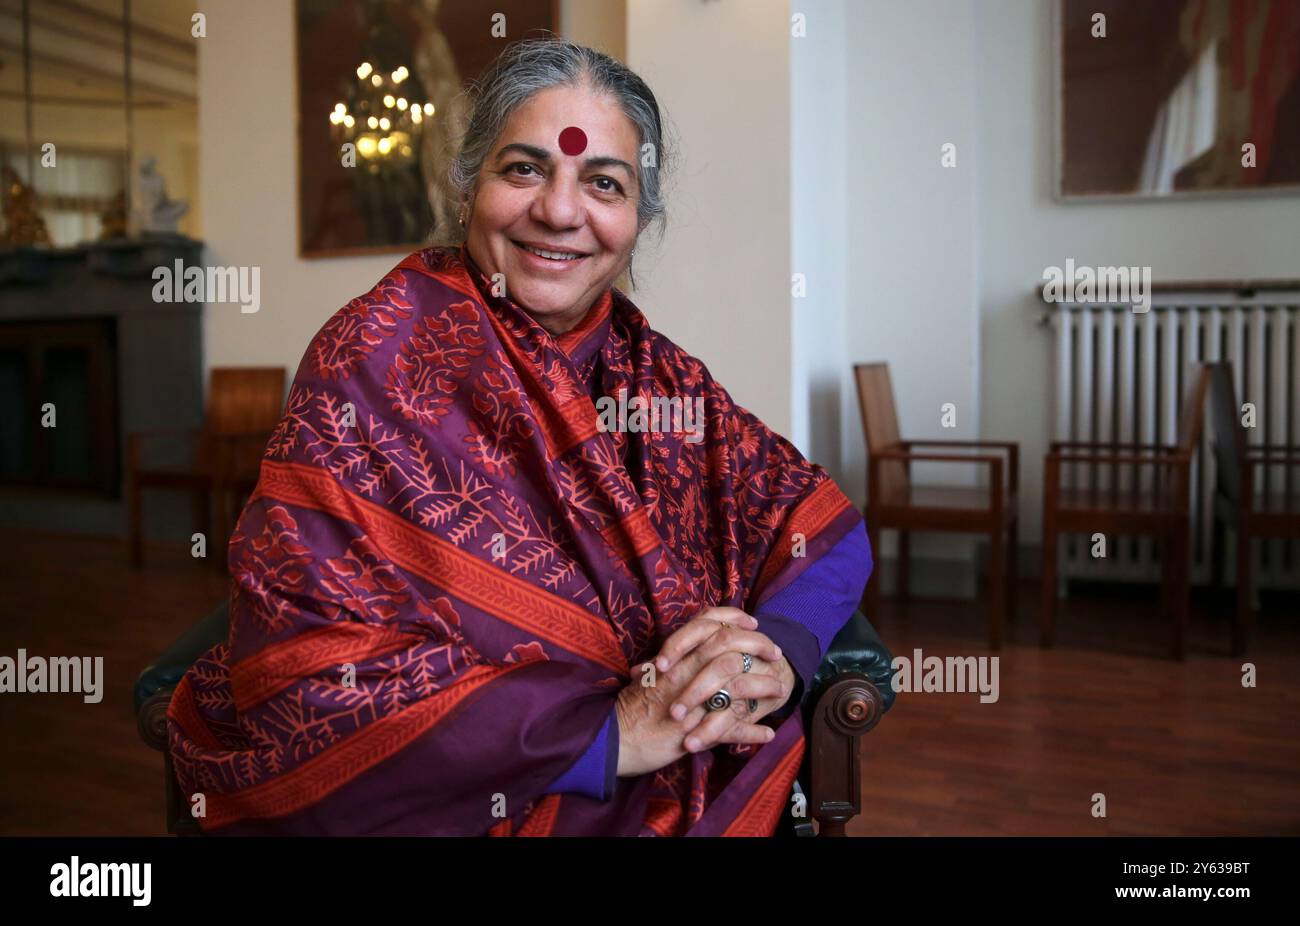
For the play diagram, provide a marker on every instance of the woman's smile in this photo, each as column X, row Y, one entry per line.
column 549, row 259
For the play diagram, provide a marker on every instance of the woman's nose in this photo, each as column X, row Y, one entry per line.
column 559, row 203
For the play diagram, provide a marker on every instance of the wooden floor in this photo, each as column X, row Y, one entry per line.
column 72, row 768
column 1175, row 748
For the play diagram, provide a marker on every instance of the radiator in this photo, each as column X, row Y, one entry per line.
column 1120, row 376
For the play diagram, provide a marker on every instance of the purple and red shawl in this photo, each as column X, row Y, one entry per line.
column 448, row 570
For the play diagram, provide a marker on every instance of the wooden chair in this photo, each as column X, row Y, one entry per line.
column 893, row 502
column 243, row 408
column 1161, row 511
column 1237, row 505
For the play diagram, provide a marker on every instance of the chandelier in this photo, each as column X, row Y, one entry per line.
column 380, row 119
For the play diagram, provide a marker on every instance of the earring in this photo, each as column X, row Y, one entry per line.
column 462, row 218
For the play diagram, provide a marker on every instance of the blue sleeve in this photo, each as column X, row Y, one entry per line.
column 804, row 617
column 595, row 772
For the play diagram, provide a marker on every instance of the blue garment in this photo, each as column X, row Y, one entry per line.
column 596, row 770
column 803, row 618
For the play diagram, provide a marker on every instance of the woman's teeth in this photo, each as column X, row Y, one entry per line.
column 550, row 255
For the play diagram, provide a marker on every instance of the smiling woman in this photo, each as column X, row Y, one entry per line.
column 463, row 604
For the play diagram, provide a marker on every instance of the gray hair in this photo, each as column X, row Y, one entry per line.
column 529, row 66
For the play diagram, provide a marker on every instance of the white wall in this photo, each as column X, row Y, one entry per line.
column 600, row 24
column 719, row 285
column 1022, row 230
column 912, row 248
column 819, row 224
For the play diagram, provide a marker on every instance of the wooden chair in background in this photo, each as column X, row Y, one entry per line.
column 893, row 502
column 243, row 408
column 1161, row 511
column 1237, row 503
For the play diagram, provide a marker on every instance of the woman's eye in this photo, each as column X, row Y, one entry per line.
column 514, row 168
column 613, row 187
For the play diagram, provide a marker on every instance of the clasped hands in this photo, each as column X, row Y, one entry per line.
column 661, row 722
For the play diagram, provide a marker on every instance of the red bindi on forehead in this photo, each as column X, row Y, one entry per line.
column 573, row 141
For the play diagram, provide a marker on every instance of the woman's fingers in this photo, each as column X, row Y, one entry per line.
column 731, row 640
column 747, row 733
column 698, row 629
column 725, row 727
column 705, row 655
column 727, row 671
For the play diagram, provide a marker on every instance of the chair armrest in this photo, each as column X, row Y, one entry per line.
column 850, row 693
column 1106, row 445
column 995, row 464
column 907, row 456
column 1000, row 444
column 1124, row 459
column 857, row 648
column 153, row 689
column 1011, row 447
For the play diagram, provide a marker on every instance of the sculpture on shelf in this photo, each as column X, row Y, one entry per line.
column 23, row 224
column 154, row 211
column 112, row 220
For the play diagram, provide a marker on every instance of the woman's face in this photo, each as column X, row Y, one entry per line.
column 532, row 193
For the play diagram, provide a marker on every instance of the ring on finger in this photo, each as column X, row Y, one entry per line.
column 747, row 663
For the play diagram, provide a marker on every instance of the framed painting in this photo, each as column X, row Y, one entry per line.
column 381, row 110
column 1169, row 98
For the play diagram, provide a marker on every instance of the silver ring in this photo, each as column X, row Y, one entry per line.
column 747, row 661
column 720, row 701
